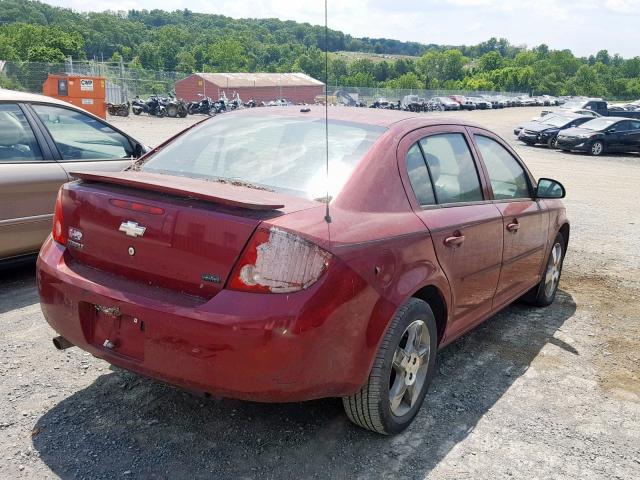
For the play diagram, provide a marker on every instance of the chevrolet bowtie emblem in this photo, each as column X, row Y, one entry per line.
column 132, row 229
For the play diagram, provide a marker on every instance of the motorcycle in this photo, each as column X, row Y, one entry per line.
column 250, row 104
column 118, row 109
column 153, row 106
column 235, row 103
column 204, row 106
column 175, row 107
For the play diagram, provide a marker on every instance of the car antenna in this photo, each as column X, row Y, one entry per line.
column 327, row 216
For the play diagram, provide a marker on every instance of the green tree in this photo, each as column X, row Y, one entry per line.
column 227, row 55
column 45, row 54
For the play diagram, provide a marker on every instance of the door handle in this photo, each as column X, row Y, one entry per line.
column 454, row 241
column 513, row 226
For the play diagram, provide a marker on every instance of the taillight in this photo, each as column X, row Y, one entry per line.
column 59, row 233
column 278, row 261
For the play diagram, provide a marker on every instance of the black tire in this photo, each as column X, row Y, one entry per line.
column 172, row 111
column 597, row 148
column 370, row 408
column 182, row 112
column 540, row 296
column 123, row 111
column 136, row 111
column 553, row 142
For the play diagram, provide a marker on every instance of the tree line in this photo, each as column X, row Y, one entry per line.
column 185, row 41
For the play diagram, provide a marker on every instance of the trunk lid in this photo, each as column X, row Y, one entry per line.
column 175, row 233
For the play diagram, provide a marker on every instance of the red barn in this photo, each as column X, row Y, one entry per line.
column 262, row 87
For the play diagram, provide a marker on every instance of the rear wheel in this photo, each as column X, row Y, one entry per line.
column 172, row 111
column 401, row 372
column 544, row 293
column 597, row 148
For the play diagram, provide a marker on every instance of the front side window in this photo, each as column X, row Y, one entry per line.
column 508, row 178
column 453, row 171
column 81, row 137
column 419, row 176
column 17, row 142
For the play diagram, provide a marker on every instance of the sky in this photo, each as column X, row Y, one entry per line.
column 583, row 26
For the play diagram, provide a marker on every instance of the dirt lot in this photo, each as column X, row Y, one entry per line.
column 539, row 394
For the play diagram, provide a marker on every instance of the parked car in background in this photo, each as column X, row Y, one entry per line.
column 598, row 106
column 528, row 101
column 42, row 140
column 464, row 102
column 546, row 131
column 480, row 103
column 443, row 103
column 213, row 267
column 412, row 103
column 532, row 123
column 495, row 102
column 602, row 135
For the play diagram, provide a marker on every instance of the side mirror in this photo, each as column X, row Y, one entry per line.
column 549, row 188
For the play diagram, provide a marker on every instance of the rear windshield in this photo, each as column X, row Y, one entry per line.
column 280, row 153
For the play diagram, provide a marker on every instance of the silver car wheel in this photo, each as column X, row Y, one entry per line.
column 552, row 276
column 596, row 148
column 409, row 369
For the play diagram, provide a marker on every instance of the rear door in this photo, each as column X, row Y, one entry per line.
column 29, row 181
column 630, row 135
column 450, row 197
column 525, row 220
column 82, row 142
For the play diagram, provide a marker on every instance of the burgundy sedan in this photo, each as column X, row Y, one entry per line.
column 227, row 263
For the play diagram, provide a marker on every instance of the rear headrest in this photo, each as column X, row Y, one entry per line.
column 11, row 131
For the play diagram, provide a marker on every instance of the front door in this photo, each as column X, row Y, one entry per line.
column 28, row 185
column 525, row 220
column 466, row 228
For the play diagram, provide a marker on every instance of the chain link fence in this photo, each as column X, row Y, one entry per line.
column 124, row 82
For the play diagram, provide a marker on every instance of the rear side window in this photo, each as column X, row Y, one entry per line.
column 419, row 176
column 508, row 178
column 453, row 171
column 81, row 137
column 17, row 142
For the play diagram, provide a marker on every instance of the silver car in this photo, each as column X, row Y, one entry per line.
column 41, row 140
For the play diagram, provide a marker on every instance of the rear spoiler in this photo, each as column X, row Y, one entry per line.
column 216, row 192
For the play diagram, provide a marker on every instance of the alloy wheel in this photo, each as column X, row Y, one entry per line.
column 552, row 276
column 596, row 148
column 409, row 368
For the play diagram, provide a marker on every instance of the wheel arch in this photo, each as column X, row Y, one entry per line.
column 435, row 298
column 565, row 230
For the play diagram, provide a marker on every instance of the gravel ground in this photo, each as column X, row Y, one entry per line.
column 532, row 393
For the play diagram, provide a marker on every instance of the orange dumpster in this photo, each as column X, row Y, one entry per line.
column 80, row 90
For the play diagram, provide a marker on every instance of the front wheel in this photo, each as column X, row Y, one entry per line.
column 597, row 148
column 553, row 142
column 543, row 294
column 401, row 372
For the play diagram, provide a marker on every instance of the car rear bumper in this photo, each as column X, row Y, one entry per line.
column 261, row 347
